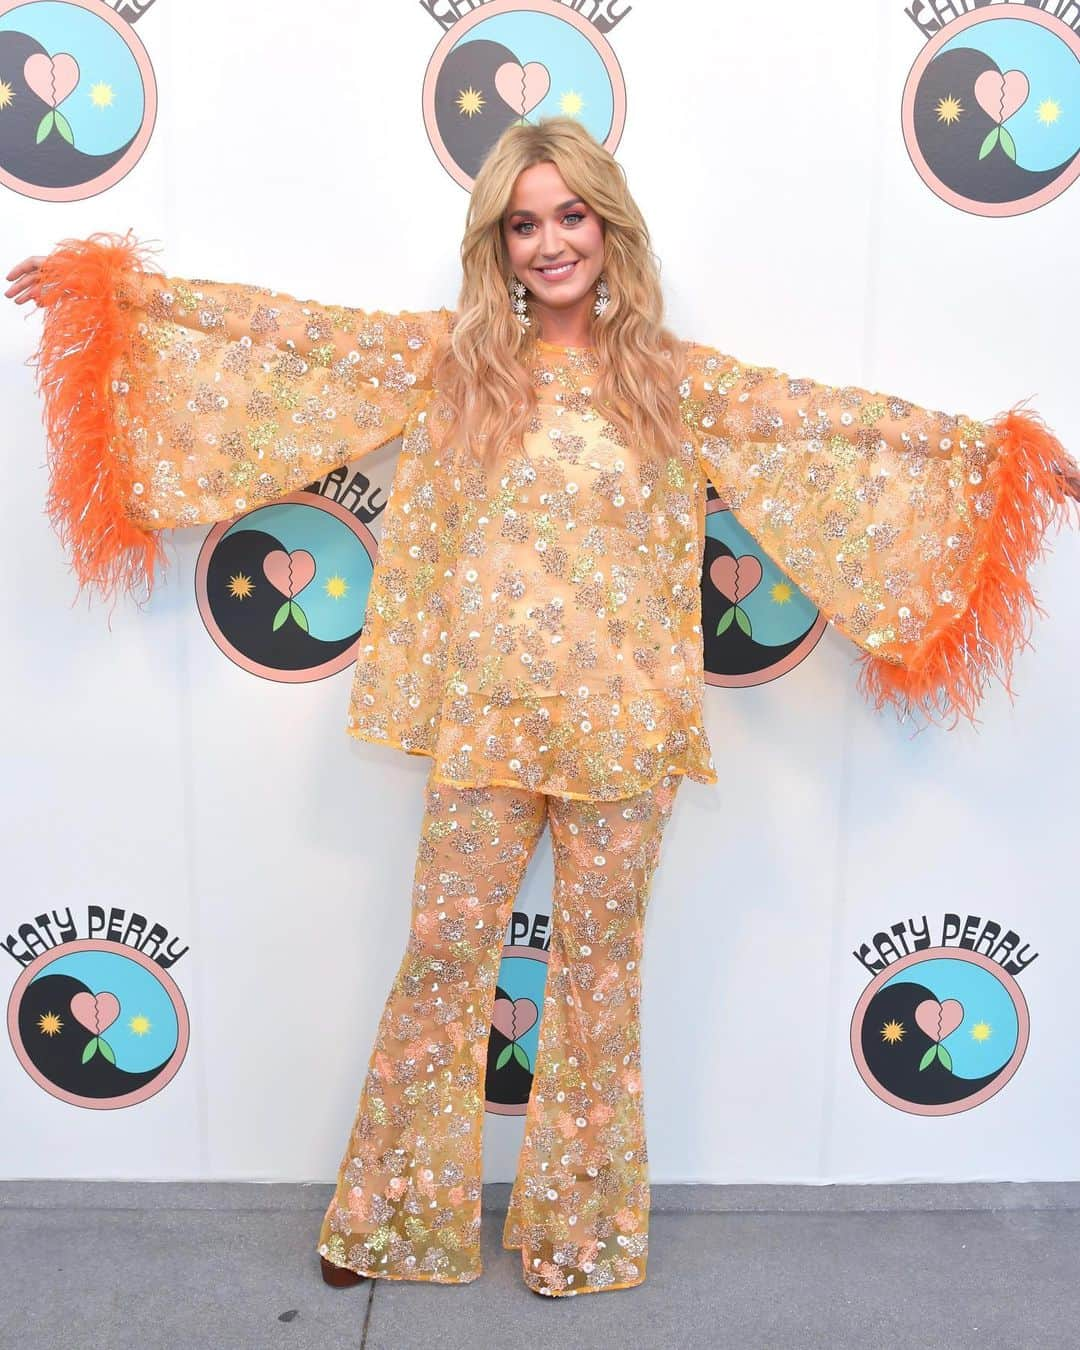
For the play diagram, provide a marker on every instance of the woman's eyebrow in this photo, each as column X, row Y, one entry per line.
column 574, row 201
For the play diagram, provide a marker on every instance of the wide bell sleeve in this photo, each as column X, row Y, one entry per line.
column 170, row 402
column 913, row 531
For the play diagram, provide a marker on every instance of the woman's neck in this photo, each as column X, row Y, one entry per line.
column 569, row 327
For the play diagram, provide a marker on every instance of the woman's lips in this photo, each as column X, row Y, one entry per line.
column 560, row 273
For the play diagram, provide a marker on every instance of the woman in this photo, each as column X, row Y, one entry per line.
column 534, row 623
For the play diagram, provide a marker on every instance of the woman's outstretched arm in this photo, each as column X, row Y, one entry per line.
column 912, row 530
column 171, row 402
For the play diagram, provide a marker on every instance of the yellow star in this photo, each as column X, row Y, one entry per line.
column 949, row 109
column 7, row 94
column 240, row 586
column 1049, row 111
column 470, row 101
column 49, row 1023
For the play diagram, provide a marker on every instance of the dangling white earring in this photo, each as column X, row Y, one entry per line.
column 603, row 295
column 517, row 301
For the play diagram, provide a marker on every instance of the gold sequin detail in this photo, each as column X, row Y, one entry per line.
column 542, row 629
column 407, row 1203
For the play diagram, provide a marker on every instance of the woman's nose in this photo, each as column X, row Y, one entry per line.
column 550, row 241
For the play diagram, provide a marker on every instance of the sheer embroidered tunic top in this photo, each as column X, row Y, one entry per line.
column 540, row 627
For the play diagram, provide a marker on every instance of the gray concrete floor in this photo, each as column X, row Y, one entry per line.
column 108, row 1266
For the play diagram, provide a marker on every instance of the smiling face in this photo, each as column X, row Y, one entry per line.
column 556, row 247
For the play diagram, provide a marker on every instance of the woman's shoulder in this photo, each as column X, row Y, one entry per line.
column 698, row 351
column 693, row 359
column 703, row 360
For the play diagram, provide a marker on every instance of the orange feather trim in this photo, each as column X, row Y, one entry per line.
column 949, row 669
column 91, row 298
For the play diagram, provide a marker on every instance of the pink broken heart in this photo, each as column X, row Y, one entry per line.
column 999, row 96
column 514, row 1017
column 52, row 78
column 522, row 87
column 735, row 577
column 939, row 1020
column 289, row 573
column 95, row 1012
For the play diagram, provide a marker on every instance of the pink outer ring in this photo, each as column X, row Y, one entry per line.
column 945, row 1108
column 168, row 1070
column 123, row 166
column 907, row 118
column 343, row 659
column 556, row 10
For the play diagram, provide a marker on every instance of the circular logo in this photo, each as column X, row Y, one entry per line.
column 283, row 589
column 756, row 623
column 515, row 1029
column 77, row 98
column 991, row 111
column 939, row 1031
column 511, row 62
column 98, row 1024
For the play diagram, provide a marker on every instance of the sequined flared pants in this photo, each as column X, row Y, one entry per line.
column 408, row 1198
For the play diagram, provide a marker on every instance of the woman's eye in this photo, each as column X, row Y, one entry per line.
column 570, row 215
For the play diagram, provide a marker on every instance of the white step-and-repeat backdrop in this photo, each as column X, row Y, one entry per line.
column 862, row 942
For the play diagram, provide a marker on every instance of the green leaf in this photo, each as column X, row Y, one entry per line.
column 945, row 1057
column 743, row 619
column 63, row 126
column 504, row 1055
column 44, row 127
column 91, row 1047
column 1008, row 144
column 725, row 621
column 282, row 615
column 106, row 1049
column 299, row 615
column 928, row 1058
column 990, row 142
column 521, row 1057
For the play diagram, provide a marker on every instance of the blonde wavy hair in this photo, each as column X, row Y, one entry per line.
column 482, row 371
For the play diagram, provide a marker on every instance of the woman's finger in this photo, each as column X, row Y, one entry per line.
column 13, row 292
column 31, row 278
column 31, row 264
column 20, row 273
column 30, row 293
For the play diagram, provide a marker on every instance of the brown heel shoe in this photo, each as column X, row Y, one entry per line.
column 338, row 1276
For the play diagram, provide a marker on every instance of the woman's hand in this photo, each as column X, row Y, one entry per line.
column 26, row 276
column 1070, row 474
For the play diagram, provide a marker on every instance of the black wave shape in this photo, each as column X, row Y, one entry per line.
column 732, row 653
column 54, row 163
column 896, row 1065
column 472, row 66
column 249, row 623
column 512, row 1084
column 952, row 151
column 59, row 1057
